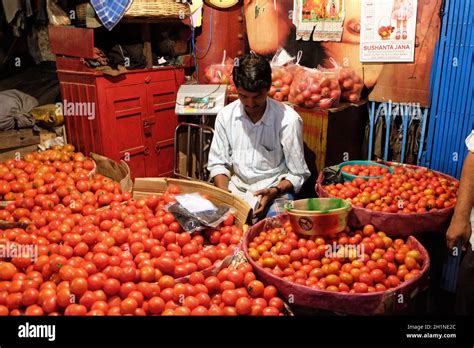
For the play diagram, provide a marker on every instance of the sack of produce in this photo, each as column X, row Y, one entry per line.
column 351, row 85
column 315, row 88
column 284, row 70
column 221, row 73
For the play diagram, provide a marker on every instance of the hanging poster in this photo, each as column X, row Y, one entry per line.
column 385, row 81
column 388, row 30
column 319, row 20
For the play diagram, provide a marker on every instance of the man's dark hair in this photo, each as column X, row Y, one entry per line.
column 253, row 73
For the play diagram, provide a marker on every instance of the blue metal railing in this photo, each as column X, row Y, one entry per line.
column 452, row 89
column 390, row 111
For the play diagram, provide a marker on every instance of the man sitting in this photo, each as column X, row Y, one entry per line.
column 258, row 142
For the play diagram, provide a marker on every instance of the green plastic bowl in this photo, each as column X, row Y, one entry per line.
column 350, row 177
column 318, row 216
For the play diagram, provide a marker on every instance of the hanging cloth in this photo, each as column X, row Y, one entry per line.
column 396, row 136
column 110, row 12
column 379, row 133
column 413, row 144
column 11, row 8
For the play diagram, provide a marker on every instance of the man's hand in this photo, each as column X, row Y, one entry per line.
column 459, row 230
column 268, row 195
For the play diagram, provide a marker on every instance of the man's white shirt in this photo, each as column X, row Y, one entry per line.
column 258, row 155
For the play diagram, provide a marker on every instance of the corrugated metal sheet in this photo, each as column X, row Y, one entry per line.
column 452, row 89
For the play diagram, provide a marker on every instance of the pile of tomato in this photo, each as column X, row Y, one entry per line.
column 231, row 291
column 364, row 170
column 405, row 191
column 85, row 248
column 360, row 261
column 45, row 180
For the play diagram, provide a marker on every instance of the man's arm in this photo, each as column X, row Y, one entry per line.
column 219, row 162
column 298, row 172
column 222, row 181
column 271, row 193
column 460, row 227
column 293, row 150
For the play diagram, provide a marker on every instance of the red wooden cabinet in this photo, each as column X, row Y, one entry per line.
column 134, row 115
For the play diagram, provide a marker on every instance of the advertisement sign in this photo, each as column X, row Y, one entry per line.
column 388, row 30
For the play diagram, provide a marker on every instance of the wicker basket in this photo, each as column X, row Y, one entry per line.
column 158, row 9
column 147, row 186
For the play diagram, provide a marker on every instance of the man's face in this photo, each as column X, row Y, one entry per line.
column 254, row 102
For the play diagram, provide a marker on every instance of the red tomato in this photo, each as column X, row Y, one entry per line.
column 215, row 310
column 156, row 305
column 30, row 297
column 255, row 288
column 236, row 277
column 166, row 265
column 75, row 310
column 277, row 303
column 33, row 310
column 165, row 282
column 410, row 262
column 377, row 275
column 7, row 270
column 269, row 292
column 168, row 218
column 204, row 299
column 111, row 286
column 78, row 286
column 229, row 297
column 360, row 287
column 229, row 311
column 229, row 221
column 128, row 306
column 257, row 310
column 243, row 306
column 271, row 311
column 200, row 311
column 213, row 284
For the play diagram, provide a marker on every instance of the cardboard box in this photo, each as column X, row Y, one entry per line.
column 119, row 172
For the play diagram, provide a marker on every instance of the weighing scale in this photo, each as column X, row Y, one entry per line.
column 201, row 101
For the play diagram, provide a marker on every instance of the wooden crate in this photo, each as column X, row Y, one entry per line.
column 334, row 134
column 16, row 153
column 16, row 143
column 18, row 138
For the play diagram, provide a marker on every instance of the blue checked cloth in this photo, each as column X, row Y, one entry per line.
column 110, row 12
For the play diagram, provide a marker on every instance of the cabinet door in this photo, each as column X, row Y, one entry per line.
column 161, row 122
column 127, row 110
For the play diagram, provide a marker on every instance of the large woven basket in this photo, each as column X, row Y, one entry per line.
column 158, row 9
column 146, row 186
